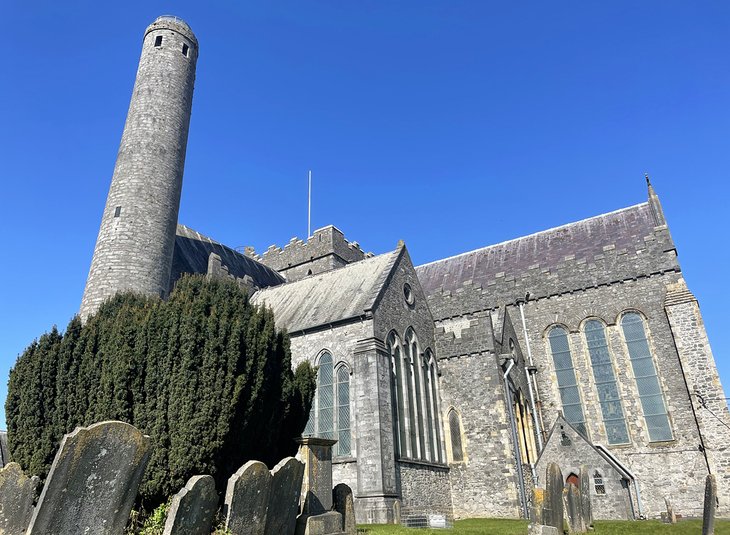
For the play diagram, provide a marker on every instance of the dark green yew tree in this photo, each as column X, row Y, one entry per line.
column 205, row 374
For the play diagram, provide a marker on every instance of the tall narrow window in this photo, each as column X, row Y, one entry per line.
column 396, row 388
column 603, row 374
column 418, row 424
column 647, row 382
column 325, row 397
column 185, row 49
column 343, row 411
column 158, row 41
column 567, row 385
column 435, row 406
column 457, row 450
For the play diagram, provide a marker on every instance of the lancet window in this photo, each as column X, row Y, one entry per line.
column 330, row 413
column 567, row 384
column 647, row 381
column 605, row 378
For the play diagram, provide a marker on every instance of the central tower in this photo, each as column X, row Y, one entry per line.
column 137, row 235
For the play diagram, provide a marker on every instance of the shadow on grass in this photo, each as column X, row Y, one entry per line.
column 475, row 526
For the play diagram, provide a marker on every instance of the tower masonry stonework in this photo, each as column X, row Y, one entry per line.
column 134, row 248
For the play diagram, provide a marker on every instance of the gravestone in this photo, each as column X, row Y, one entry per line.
column 671, row 518
column 286, row 486
column 553, row 509
column 17, row 493
column 708, row 515
column 573, row 509
column 93, row 481
column 585, row 495
column 247, row 499
column 345, row 505
column 538, row 503
column 539, row 529
column 316, row 454
column 193, row 508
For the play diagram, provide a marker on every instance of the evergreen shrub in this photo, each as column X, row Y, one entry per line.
column 205, row 374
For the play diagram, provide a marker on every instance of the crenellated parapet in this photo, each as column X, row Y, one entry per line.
column 326, row 249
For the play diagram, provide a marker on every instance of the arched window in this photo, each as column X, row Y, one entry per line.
column 330, row 413
column 325, row 398
column 457, row 449
column 434, row 429
column 343, row 411
column 598, row 484
column 567, row 385
column 397, row 394
column 603, row 374
column 416, row 396
column 647, row 382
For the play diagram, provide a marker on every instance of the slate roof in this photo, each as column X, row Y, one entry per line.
column 336, row 295
column 192, row 250
column 623, row 229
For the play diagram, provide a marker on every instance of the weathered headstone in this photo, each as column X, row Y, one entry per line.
column 17, row 492
column 537, row 505
column 286, row 486
column 247, row 499
column 585, row 495
column 316, row 454
column 553, row 509
column 708, row 515
column 671, row 518
column 193, row 508
column 93, row 481
column 573, row 509
column 539, row 529
column 345, row 505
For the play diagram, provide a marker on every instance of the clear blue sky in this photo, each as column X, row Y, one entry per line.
column 451, row 125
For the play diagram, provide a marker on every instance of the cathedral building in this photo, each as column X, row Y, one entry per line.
column 449, row 386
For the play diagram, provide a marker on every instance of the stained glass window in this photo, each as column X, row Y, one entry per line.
column 647, row 382
column 567, row 384
column 603, row 374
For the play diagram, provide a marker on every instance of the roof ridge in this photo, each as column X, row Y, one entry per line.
column 553, row 229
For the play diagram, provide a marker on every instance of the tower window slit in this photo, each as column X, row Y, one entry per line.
column 117, row 211
column 185, row 49
column 158, row 41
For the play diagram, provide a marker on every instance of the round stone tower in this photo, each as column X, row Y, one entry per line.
column 137, row 235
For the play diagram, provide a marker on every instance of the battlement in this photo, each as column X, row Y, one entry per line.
column 326, row 249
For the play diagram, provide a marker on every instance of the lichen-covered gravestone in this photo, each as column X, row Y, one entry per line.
column 343, row 503
column 537, row 505
column 193, row 508
column 576, row 524
column 708, row 515
column 93, row 481
column 17, row 492
column 286, row 486
column 247, row 499
column 553, row 510
column 585, row 495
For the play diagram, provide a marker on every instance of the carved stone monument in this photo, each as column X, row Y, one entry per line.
column 17, row 492
column 193, row 508
column 708, row 515
column 93, row 481
column 247, row 499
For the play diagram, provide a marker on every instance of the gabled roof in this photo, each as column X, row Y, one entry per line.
column 333, row 296
column 622, row 229
column 192, row 250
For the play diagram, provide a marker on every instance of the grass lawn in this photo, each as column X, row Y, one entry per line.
column 474, row 526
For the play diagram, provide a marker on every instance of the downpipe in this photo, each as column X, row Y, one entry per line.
column 513, row 427
column 628, row 473
column 528, row 372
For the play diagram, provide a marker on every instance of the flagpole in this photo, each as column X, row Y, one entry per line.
column 309, row 206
